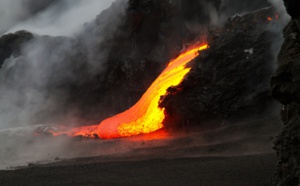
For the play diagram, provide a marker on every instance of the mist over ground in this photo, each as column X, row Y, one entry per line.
column 21, row 149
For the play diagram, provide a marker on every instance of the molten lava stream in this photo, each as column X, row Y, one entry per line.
column 146, row 116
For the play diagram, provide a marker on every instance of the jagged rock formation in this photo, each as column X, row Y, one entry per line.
column 285, row 88
column 229, row 81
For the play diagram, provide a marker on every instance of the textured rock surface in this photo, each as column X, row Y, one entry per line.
column 229, row 81
column 285, row 88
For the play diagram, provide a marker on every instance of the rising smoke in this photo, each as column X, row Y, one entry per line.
column 16, row 11
column 35, row 83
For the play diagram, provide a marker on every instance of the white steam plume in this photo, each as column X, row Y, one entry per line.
column 24, row 92
column 11, row 12
column 64, row 17
column 26, row 82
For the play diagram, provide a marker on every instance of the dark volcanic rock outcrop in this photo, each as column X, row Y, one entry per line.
column 229, row 81
column 286, row 89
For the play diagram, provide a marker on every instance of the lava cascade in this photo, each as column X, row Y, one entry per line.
column 145, row 116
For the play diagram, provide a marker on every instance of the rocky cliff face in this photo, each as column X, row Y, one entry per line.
column 285, row 88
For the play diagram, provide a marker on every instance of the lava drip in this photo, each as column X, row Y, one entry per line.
column 146, row 116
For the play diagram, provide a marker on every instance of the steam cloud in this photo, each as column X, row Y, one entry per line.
column 26, row 92
column 26, row 81
column 64, row 17
column 57, row 21
column 17, row 11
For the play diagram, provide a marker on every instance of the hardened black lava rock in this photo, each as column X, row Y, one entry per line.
column 229, row 82
column 285, row 85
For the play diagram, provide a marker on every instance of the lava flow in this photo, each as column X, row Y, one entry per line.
column 145, row 116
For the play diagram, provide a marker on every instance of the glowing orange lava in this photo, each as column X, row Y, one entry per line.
column 145, row 116
column 275, row 17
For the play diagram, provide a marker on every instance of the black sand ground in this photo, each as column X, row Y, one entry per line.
column 238, row 155
column 252, row 170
